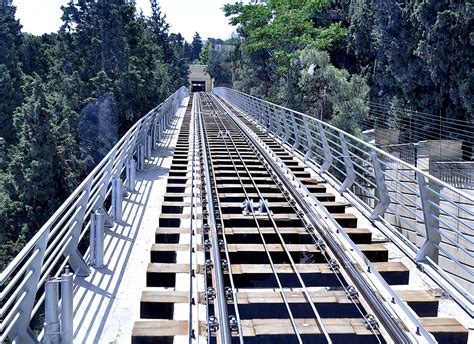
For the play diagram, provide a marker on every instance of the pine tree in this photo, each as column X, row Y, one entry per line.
column 179, row 66
column 196, row 46
column 10, row 72
column 159, row 26
column 33, row 177
column 188, row 52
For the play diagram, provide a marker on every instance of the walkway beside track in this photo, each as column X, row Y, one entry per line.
column 107, row 302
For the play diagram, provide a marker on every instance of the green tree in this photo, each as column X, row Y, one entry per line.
column 415, row 54
column 41, row 161
column 171, row 47
column 445, row 48
column 196, row 47
column 10, row 72
column 217, row 55
column 180, row 65
column 38, row 54
column 273, row 33
column 114, row 51
column 332, row 94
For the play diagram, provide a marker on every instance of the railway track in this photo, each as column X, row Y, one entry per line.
column 253, row 247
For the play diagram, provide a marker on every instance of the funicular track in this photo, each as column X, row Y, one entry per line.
column 241, row 254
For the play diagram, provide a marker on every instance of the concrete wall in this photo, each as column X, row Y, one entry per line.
column 384, row 137
column 198, row 73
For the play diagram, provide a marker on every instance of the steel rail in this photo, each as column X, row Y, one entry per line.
column 203, row 195
column 224, row 329
column 267, row 251
column 292, row 263
column 272, row 265
column 224, row 238
column 231, row 278
column 392, row 327
column 312, row 235
column 191, row 332
column 323, row 252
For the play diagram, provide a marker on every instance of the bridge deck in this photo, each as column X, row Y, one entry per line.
column 107, row 303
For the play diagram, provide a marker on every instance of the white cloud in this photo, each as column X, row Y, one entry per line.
column 184, row 16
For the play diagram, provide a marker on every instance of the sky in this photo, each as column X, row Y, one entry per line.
column 184, row 16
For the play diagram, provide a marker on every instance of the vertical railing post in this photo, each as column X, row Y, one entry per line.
column 271, row 121
column 97, row 239
column 51, row 313
column 350, row 172
column 76, row 260
column 381, row 190
column 130, row 174
column 21, row 331
column 287, row 128
column 429, row 199
column 268, row 122
column 162, row 122
column 161, row 129
column 153, row 136
column 170, row 110
column 296, row 133
column 326, row 149
column 141, row 157
column 104, row 182
column 279, row 128
column 117, row 198
column 67, row 331
column 149, row 147
column 309, row 138
column 157, row 131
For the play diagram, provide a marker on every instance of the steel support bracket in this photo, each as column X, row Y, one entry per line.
column 381, row 190
column 310, row 140
column 296, row 133
column 328, row 158
column 21, row 331
column 287, row 128
column 429, row 198
column 350, row 172
column 278, row 124
column 76, row 260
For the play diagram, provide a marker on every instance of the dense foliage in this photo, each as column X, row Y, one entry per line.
column 410, row 54
column 66, row 97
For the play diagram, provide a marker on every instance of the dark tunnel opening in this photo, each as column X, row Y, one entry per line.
column 198, row 86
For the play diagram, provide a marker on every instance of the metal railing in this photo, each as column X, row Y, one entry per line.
column 428, row 219
column 457, row 173
column 56, row 244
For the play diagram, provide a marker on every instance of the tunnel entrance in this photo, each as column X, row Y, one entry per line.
column 198, row 86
